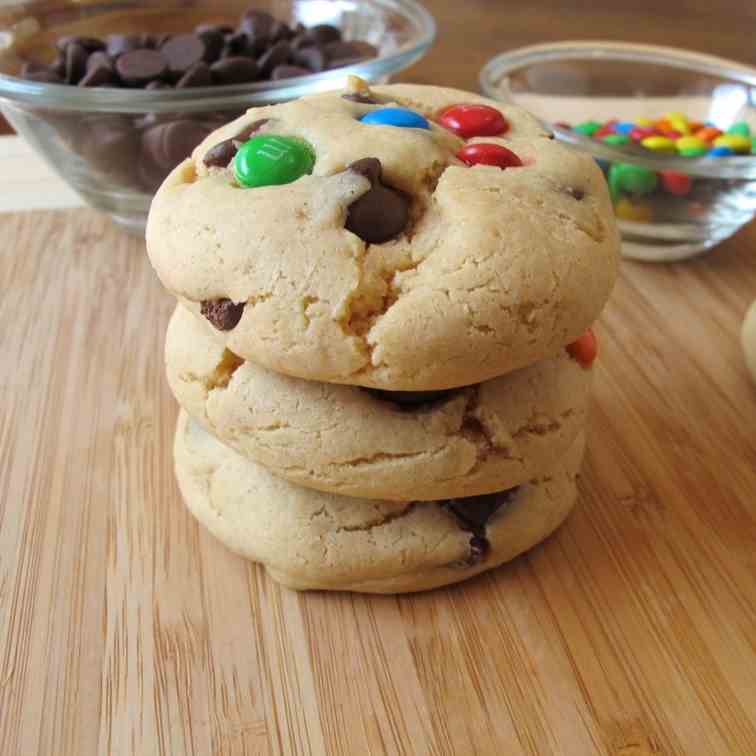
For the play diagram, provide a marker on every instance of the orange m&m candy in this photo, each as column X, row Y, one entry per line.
column 585, row 349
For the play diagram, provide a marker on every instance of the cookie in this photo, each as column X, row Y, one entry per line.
column 748, row 339
column 385, row 249
column 373, row 444
column 312, row 540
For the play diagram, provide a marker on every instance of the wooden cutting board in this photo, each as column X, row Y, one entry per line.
column 126, row 629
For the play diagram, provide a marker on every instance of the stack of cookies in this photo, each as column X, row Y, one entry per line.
column 382, row 346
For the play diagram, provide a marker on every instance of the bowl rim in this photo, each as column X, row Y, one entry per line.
column 736, row 166
column 194, row 99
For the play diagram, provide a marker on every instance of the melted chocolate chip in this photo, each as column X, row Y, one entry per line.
column 222, row 313
column 381, row 213
column 473, row 513
column 410, row 399
column 578, row 194
column 223, row 153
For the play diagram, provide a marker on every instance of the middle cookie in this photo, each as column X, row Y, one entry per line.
column 361, row 442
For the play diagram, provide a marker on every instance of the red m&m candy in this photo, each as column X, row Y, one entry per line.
column 471, row 120
column 585, row 349
column 482, row 153
column 676, row 183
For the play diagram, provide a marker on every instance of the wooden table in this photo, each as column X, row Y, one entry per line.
column 126, row 629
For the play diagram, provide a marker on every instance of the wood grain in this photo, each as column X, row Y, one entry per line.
column 126, row 629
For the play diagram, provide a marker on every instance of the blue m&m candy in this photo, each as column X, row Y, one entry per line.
column 401, row 117
column 721, row 152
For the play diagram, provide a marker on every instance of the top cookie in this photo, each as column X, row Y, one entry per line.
column 419, row 269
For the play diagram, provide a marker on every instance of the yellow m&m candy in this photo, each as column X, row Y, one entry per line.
column 736, row 142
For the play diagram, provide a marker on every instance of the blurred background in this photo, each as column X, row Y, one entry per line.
column 723, row 27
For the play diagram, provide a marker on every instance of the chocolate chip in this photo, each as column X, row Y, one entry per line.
column 99, row 74
column 274, row 56
column 323, row 34
column 310, row 57
column 577, row 194
column 90, row 44
column 138, row 67
column 97, row 59
column 109, row 144
column 411, row 399
column 197, row 76
column 361, row 98
column 382, row 212
column 287, row 71
column 182, row 52
column 165, row 145
column 76, row 62
column 118, row 44
column 257, row 24
column 340, row 54
column 473, row 514
column 223, row 153
column 235, row 44
column 222, row 313
column 479, row 548
column 235, row 70
column 214, row 41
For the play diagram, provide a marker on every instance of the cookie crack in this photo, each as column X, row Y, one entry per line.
column 221, row 376
column 542, row 425
column 380, row 522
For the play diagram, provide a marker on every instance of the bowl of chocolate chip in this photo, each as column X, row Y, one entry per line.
column 115, row 94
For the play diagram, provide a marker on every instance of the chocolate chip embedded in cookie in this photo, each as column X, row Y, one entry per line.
column 312, row 540
column 380, row 214
column 221, row 155
column 474, row 514
column 222, row 313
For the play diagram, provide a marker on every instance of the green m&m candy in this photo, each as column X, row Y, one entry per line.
column 269, row 160
column 631, row 179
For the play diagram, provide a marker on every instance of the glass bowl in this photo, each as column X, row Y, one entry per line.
column 99, row 139
column 683, row 205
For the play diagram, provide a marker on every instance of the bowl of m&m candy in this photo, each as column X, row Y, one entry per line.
column 673, row 131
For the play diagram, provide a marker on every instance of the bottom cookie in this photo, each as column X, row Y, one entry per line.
column 308, row 539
